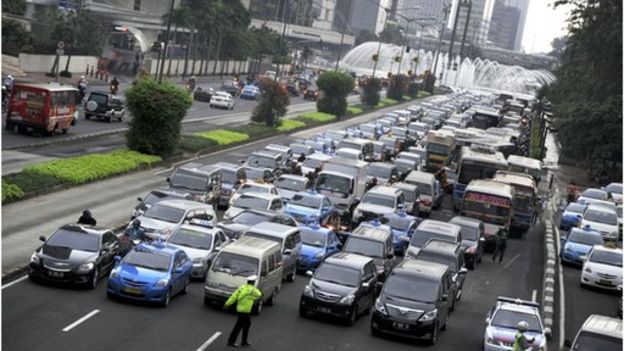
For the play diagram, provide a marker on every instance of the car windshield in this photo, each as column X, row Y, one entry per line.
column 164, row 213
column 594, row 341
column 300, row 149
column 333, row 184
column 614, row 188
column 99, row 98
column 420, row 237
column 149, row 260
column 251, row 202
column 379, row 200
column 312, row 163
column 438, row 149
column 348, row 154
column 261, row 161
column 370, row 248
column 406, row 287
column 313, row 238
column 251, row 218
column 152, row 198
column 470, row 232
column 595, row 194
column 379, row 171
column 575, row 208
column 447, row 260
column 290, row 184
column 228, row 176
column 191, row 238
column 334, row 135
column 189, row 181
column 252, row 188
column 74, row 240
column 488, row 208
column 251, row 173
column 275, row 239
column 368, row 128
column 612, row 258
column 424, row 189
column 469, row 172
column 523, row 204
column 581, row 237
column 510, row 319
column 409, row 195
column 619, row 211
column 234, row 264
column 305, row 201
column 601, row 217
column 332, row 273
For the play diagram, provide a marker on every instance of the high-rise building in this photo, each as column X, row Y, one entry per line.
column 504, row 26
column 420, row 9
column 361, row 15
column 523, row 6
column 478, row 22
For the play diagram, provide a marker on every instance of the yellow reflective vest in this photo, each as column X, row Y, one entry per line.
column 244, row 297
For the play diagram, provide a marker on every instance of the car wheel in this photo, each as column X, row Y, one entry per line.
column 9, row 126
column 291, row 277
column 470, row 264
column 352, row 316
column 109, row 119
column 167, row 299
column 433, row 338
column 185, row 288
column 303, row 312
column 257, row 309
column 271, row 300
column 95, row 278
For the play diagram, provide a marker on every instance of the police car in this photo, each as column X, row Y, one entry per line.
column 502, row 320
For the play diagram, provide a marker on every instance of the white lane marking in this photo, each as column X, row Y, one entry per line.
column 561, row 292
column 14, row 282
column 76, row 323
column 209, row 341
column 511, row 261
column 534, row 295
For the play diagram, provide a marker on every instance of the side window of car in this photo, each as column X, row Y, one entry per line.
column 276, row 204
column 326, row 203
column 183, row 258
column 267, row 174
column 177, row 262
column 271, row 263
column 264, row 268
column 278, row 256
column 109, row 239
column 290, row 243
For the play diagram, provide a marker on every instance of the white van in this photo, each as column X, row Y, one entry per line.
column 239, row 260
column 429, row 188
column 598, row 333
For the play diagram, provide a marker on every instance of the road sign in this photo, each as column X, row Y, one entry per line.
column 60, row 45
column 60, row 52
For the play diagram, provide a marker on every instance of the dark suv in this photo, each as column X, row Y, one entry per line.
column 104, row 105
column 414, row 301
column 342, row 286
column 374, row 240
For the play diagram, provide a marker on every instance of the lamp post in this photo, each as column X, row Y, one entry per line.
column 284, row 19
column 379, row 46
column 409, row 21
column 446, row 10
column 162, row 62
column 344, row 29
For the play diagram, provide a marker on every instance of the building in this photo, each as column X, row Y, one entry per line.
column 523, row 6
column 420, row 9
column 504, row 26
column 363, row 15
column 478, row 22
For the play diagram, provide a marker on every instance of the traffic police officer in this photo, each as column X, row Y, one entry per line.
column 244, row 296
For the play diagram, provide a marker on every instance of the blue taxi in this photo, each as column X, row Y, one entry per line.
column 317, row 244
column 576, row 245
column 150, row 272
column 403, row 227
column 310, row 207
column 571, row 216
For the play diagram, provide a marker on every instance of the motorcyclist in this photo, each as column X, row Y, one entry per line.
column 371, row 184
column 572, row 191
column 87, row 218
column 521, row 342
column 442, row 177
column 190, row 85
column 82, row 89
column 114, row 86
column 132, row 235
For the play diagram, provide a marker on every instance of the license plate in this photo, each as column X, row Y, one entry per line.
column 135, row 291
column 55, row 274
column 401, row 326
column 323, row 309
column 605, row 282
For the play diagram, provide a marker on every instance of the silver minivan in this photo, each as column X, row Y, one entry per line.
column 287, row 237
column 433, row 229
column 239, row 260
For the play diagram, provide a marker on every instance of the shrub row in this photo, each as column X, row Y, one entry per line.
column 11, row 191
column 224, row 137
column 318, row 117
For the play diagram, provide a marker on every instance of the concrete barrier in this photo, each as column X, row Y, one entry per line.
column 43, row 63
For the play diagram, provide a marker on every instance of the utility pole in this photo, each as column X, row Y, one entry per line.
column 450, row 53
column 162, row 61
column 446, row 10
column 281, row 39
column 379, row 47
column 409, row 21
column 463, row 43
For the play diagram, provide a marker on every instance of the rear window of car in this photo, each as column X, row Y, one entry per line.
column 99, row 98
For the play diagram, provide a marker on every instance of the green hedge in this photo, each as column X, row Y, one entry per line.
column 255, row 129
column 386, row 102
column 91, row 167
column 319, row 117
column 194, row 143
column 290, row 124
column 11, row 191
column 354, row 110
column 224, row 137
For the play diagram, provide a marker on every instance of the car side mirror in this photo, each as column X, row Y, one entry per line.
column 139, row 199
column 365, row 285
column 444, row 297
column 42, row 238
column 487, row 320
column 309, row 273
column 117, row 259
column 168, row 180
column 547, row 332
column 567, row 343
column 463, row 270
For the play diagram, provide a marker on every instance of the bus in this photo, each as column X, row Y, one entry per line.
column 476, row 162
column 490, row 202
column 524, row 201
column 42, row 107
column 527, row 165
column 484, row 118
column 440, row 149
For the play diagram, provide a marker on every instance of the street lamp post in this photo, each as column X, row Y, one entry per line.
column 162, row 61
column 284, row 19
column 446, row 10
column 409, row 21
column 379, row 46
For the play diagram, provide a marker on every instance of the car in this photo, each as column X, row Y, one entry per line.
column 619, row 211
column 603, row 220
column 153, row 272
column 285, row 152
column 590, row 194
column 576, row 245
column 156, row 196
column 473, row 239
column 311, row 92
column 104, row 105
column 75, row 254
column 501, row 324
column 259, row 175
column 237, row 225
column 615, row 190
column 342, row 286
column 292, row 89
column 313, row 161
column 267, row 159
column 571, row 216
column 231, row 87
column 405, row 166
column 299, row 148
column 385, row 173
column 312, row 207
column 201, row 241
column 603, row 268
column 411, row 195
column 374, row 240
column 203, row 182
column 598, row 333
column 433, row 229
column 159, row 220
column 254, row 201
column 250, row 92
column 203, row 94
column 232, row 176
column 380, row 152
column 318, row 243
column 403, row 227
column 289, row 185
column 253, row 187
column 378, row 201
column 222, row 99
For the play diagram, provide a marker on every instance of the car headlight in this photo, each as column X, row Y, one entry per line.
column 114, row 273
column 199, row 260
column 429, row 316
column 347, row 300
column 319, row 255
column 379, row 306
column 307, row 291
column 162, row 282
column 86, row 267
column 34, row 258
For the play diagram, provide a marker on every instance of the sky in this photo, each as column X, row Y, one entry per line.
column 543, row 24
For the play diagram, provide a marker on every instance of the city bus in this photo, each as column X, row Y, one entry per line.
column 484, row 118
column 476, row 162
column 440, row 150
column 527, row 165
column 43, row 107
column 490, row 202
column 524, row 201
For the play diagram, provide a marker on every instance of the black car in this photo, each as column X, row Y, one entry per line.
column 104, row 105
column 75, row 253
column 203, row 94
column 231, row 87
column 155, row 196
column 342, row 286
column 311, row 92
column 375, row 241
column 292, row 89
column 239, row 224
column 414, row 301
column 473, row 239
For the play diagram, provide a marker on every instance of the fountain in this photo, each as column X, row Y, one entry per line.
column 470, row 74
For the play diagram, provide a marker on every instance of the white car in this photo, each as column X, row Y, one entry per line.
column 350, row 154
column 603, row 268
column 251, row 186
column 615, row 189
column 502, row 320
column 602, row 219
column 591, row 194
column 223, row 100
column 254, row 201
column 380, row 200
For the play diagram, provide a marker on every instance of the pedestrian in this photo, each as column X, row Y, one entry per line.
column 501, row 244
column 244, row 297
column 301, row 158
column 521, row 343
column 86, row 218
column 572, row 191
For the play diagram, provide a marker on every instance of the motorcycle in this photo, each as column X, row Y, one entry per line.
column 113, row 89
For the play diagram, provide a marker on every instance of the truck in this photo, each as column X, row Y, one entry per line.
column 440, row 150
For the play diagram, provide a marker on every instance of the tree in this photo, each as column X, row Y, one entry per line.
column 391, row 34
column 334, row 86
column 273, row 104
column 157, row 110
column 558, row 47
column 370, row 91
column 397, row 87
column 15, row 39
column 364, row 37
column 15, row 7
column 306, row 53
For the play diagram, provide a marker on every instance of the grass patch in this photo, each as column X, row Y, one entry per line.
column 224, row 137
column 290, row 124
column 82, row 169
column 386, row 102
column 30, row 181
column 422, row 93
column 354, row 110
column 194, row 143
column 318, row 117
column 11, row 191
column 255, row 130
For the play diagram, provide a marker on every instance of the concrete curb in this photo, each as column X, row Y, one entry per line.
column 550, row 269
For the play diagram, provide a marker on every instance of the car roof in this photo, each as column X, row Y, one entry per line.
column 600, row 207
column 466, row 221
column 319, row 156
column 514, row 178
column 603, row 325
column 384, row 190
column 47, row 86
column 432, row 225
column 310, row 193
column 263, row 196
column 260, row 185
column 273, row 229
column 158, row 247
column 490, row 187
column 420, row 176
column 404, row 186
column 604, row 248
column 382, row 165
column 270, row 153
column 183, row 204
column 377, row 233
column 421, row 268
column 250, row 246
column 293, row 177
column 228, row 165
column 199, row 168
column 348, row 259
column 85, row 229
column 443, row 246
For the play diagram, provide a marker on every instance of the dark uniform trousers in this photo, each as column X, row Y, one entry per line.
column 243, row 322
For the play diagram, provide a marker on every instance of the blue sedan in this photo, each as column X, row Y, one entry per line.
column 577, row 244
column 250, row 92
column 317, row 244
column 311, row 207
column 150, row 272
column 403, row 227
column 571, row 216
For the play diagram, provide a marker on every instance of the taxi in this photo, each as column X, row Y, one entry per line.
column 318, row 243
column 310, row 206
